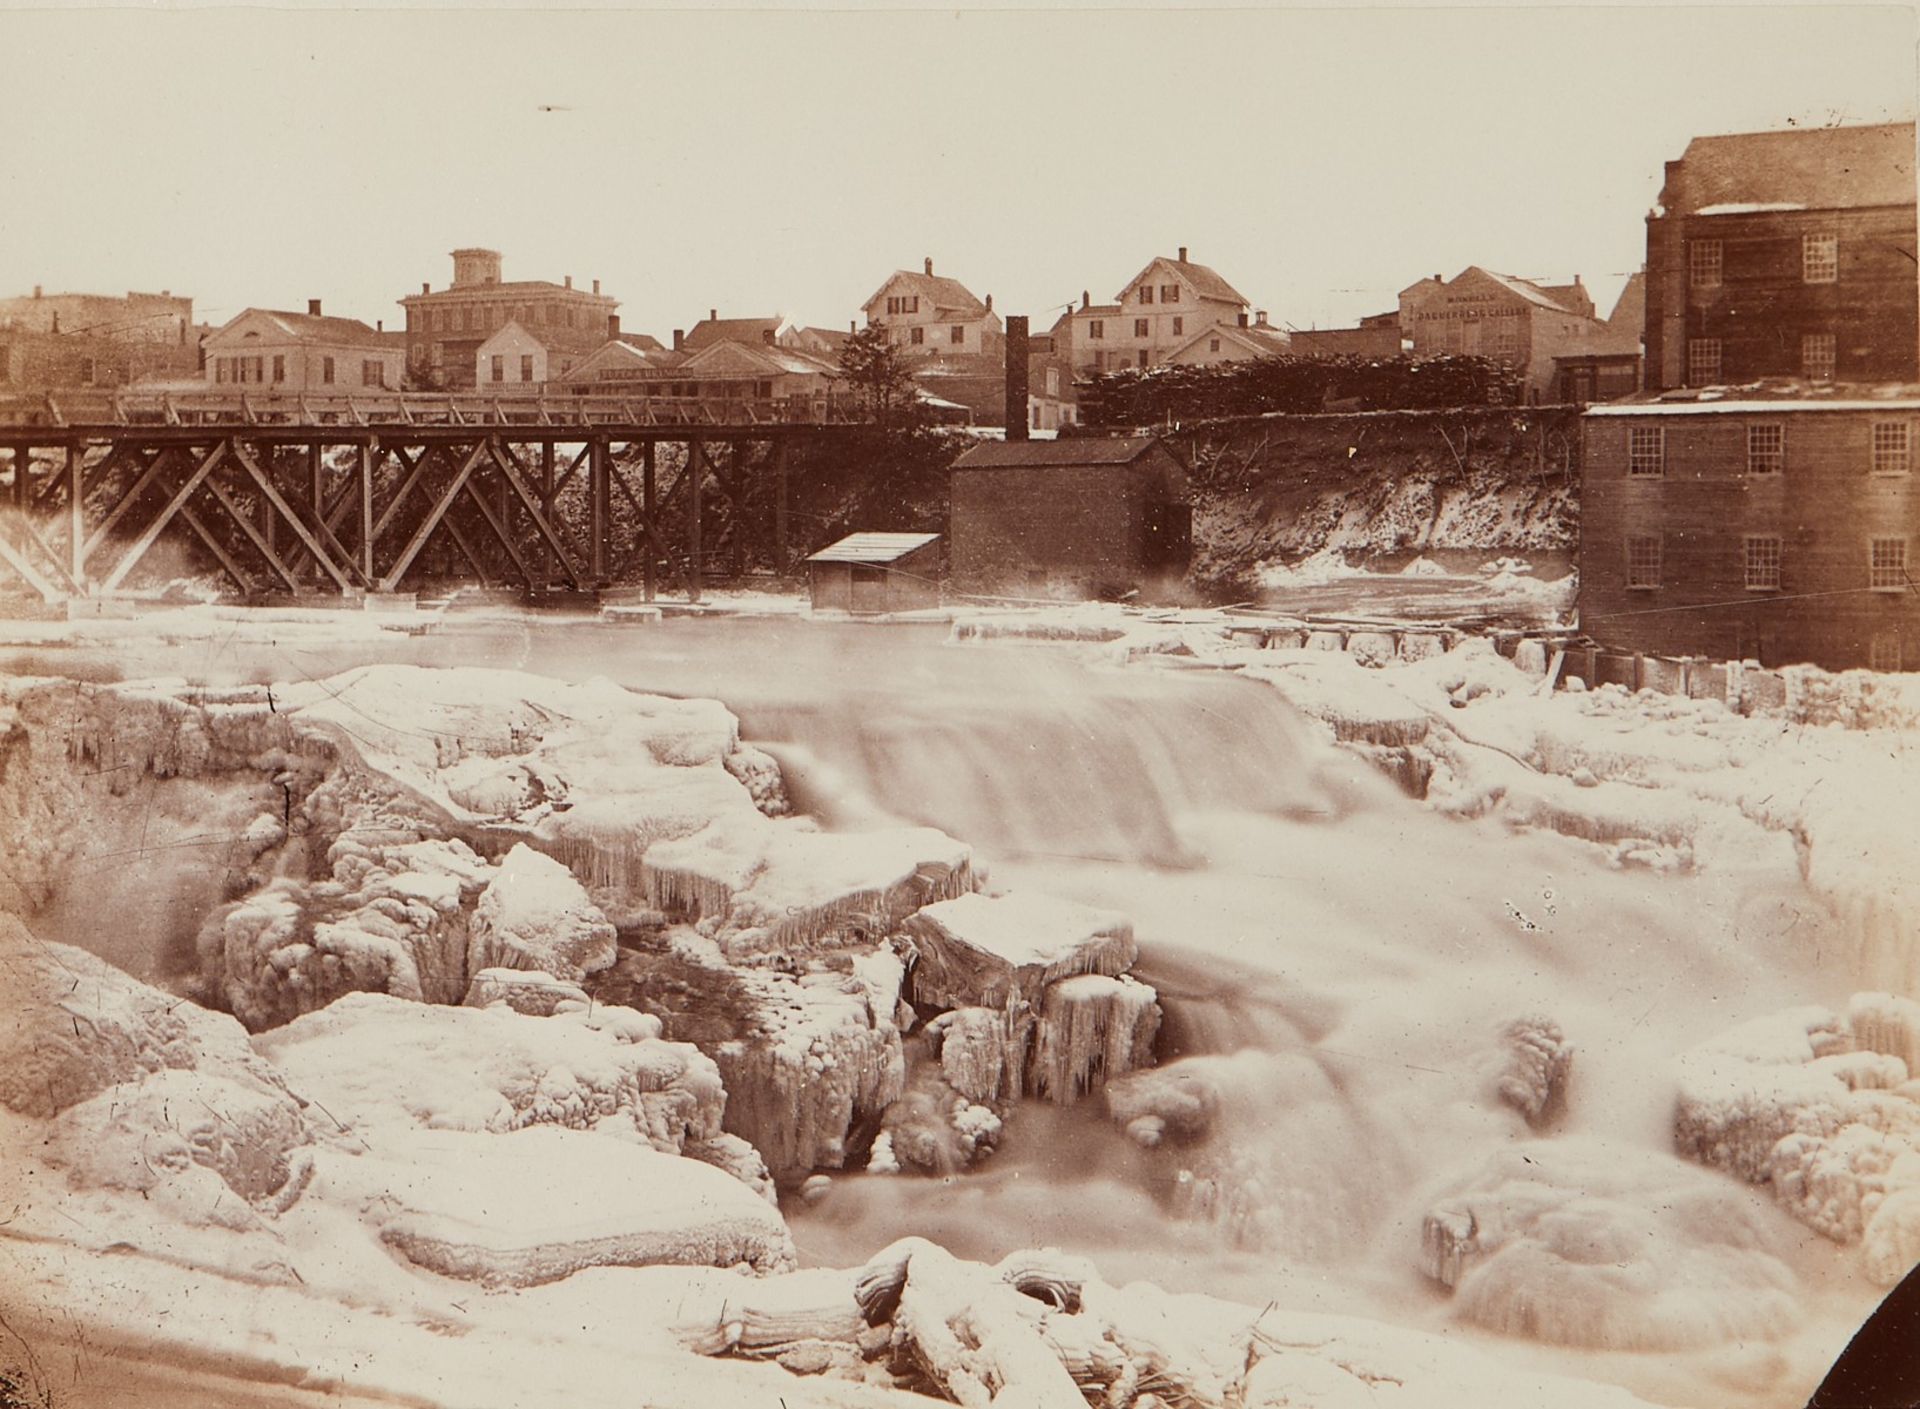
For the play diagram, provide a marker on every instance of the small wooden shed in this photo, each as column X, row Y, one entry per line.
column 877, row 572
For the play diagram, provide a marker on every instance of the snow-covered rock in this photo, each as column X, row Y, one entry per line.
column 539, row 1204
column 1538, row 1059
column 524, row 990
column 1002, row 952
column 377, row 1064
column 534, row 915
column 1798, row 1101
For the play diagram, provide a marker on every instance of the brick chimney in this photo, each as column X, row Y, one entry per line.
column 425, row 287
column 1086, row 299
column 1260, row 319
column 36, row 291
column 313, row 308
column 713, row 315
column 566, row 280
column 1183, row 254
column 1016, row 403
column 379, row 325
column 1243, row 320
column 929, row 265
column 613, row 326
column 596, row 286
column 679, row 339
column 989, row 303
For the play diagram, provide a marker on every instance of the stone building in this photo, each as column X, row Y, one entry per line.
column 1785, row 254
column 445, row 327
column 1776, row 524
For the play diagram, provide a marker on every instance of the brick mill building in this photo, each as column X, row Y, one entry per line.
column 1777, row 524
column 446, row 327
column 1528, row 325
column 1786, row 254
column 1080, row 516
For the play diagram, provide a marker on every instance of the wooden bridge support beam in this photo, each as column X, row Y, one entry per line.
column 695, row 472
column 781, row 556
column 646, row 519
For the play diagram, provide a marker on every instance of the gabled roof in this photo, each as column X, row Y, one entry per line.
column 1630, row 309
column 1531, row 292
column 646, row 342
column 944, row 295
column 1204, row 281
column 548, row 340
column 1075, row 450
column 755, row 359
column 315, row 328
column 1255, row 341
column 752, row 332
column 624, row 355
column 1810, row 168
column 873, row 547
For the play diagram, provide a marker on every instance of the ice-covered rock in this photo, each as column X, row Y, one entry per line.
column 1002, row 952
column 1092, row 1027
column 391, row 917
column 524, row 990
column 72, row 1025
column 1578, row 1243
column 538, row 1204
column 1797, row 1101
column 1538, row 1059
column 376, row 1064
column 534, row 915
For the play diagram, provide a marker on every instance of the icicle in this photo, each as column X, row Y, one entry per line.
column 1091, row 1028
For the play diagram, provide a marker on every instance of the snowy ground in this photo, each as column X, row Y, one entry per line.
column 226, row 1297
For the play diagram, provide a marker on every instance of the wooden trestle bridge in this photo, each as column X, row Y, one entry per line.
column 352, row 494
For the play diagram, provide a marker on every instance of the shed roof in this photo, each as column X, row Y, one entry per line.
column 873, row 547
column 1073, row 450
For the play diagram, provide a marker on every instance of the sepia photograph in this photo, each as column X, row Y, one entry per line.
column 850, row 705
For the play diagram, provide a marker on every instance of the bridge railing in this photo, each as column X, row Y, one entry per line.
column 228, row 407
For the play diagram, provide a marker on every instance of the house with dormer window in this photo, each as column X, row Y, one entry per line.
column 1161, row 309
column 928, row 314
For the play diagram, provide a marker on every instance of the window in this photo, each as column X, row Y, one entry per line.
column 1647, row 451
column 1703, row 263
column 1140, row 327
column 1892, row 448
column 1816, row 357
column 526, row 366
column 1213, row 344
column 1143, row 357
column 917, row 336
column 1762, row 563
column 1169, row 293
column 1703, row 361
column 87, row 371
column 1643, row 561
column 326, row 370
column 1766, row 449
column 1036, row 416
column 1053, row 381
column 1820, row 258
column 1887, row 564
column 1097, row 328
column 1883, row 652
column 1179, row 326
column 957, row 333
column 498, row 369
column 1146, row 293
column 372, row 373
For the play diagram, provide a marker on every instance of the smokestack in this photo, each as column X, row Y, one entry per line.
column 679, row 339
column 929, row 264
column 613, row 327
column 313, row 308
column 1183, row 254
column 1016, row 410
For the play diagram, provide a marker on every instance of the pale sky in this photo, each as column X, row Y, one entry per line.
column 787, row 160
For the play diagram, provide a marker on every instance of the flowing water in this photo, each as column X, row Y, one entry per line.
column 1336, row 964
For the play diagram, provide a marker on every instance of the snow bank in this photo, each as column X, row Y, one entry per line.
column 539, row 1204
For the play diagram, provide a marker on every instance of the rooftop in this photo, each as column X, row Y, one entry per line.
column 873, row 547
column 1770, row 397
column 1075, row 450
column 1806, row 168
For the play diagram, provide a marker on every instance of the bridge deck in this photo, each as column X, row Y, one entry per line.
column 56, row 418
